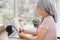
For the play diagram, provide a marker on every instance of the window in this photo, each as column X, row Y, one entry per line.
column 6, row 10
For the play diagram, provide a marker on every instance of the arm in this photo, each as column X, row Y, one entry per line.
column 26, row 37
column 40, row 36
column 29, row 32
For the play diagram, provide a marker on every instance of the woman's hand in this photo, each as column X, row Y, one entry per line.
column 21, row 34
column 27, row 31
column 26, row 37
column 21, row 29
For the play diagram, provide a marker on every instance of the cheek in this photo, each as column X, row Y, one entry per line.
column 38, row 12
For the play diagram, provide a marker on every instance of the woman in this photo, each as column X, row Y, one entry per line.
column 47, row 29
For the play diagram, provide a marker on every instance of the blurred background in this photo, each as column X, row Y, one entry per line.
column 25, row 9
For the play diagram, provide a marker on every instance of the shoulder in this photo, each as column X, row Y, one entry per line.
column 49, row 18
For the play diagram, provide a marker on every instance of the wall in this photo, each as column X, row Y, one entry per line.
column 58, row 13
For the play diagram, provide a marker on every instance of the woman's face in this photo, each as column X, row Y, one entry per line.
column 39, row 12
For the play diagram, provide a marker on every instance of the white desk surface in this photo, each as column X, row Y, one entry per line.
column 3, row 36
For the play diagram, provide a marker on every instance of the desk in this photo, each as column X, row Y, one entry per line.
column 3, row 36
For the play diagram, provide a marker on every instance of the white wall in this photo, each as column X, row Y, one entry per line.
column 58, row 13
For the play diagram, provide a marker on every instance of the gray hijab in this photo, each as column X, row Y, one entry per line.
column 47, row 6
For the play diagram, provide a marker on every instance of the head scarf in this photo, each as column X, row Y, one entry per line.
column 47, row 6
